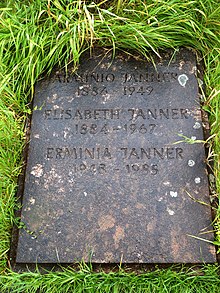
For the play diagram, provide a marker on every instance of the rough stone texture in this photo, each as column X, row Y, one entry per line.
column 106, row 179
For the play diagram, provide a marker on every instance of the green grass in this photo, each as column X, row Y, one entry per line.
column 183, row 281
column 37, row 35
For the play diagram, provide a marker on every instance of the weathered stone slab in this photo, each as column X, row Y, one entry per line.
column 106, row 179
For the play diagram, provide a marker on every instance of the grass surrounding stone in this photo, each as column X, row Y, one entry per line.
column 183, row 281
column 37, row 35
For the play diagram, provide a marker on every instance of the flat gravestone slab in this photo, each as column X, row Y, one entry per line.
column 106, row 180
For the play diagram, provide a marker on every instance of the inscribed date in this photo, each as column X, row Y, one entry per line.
column 130, row 90
column 151, row 169
column 93, row 91
column 105, row 128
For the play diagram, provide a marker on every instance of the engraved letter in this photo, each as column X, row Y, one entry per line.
column 107, row 153
column 50, row 153
column 114, row 113
column 125, row 152
column 134, row 154
column 174, row 113
column 110, row 77
column 140, row 113
column 132, row 113
column 78, row 114
column 68, row 113
column 145, row 153
column 90, row 153
column 87, row 114
column 59, row 153
column 47, row 114
column 170, row 153
column 184, row 113
column 162, row 113
column 96, row 114
column 179, row 153
column 157, row 153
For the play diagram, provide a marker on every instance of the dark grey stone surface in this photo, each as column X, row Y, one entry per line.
column 106, row 179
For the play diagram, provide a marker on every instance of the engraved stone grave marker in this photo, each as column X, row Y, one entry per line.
column 106, row 179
